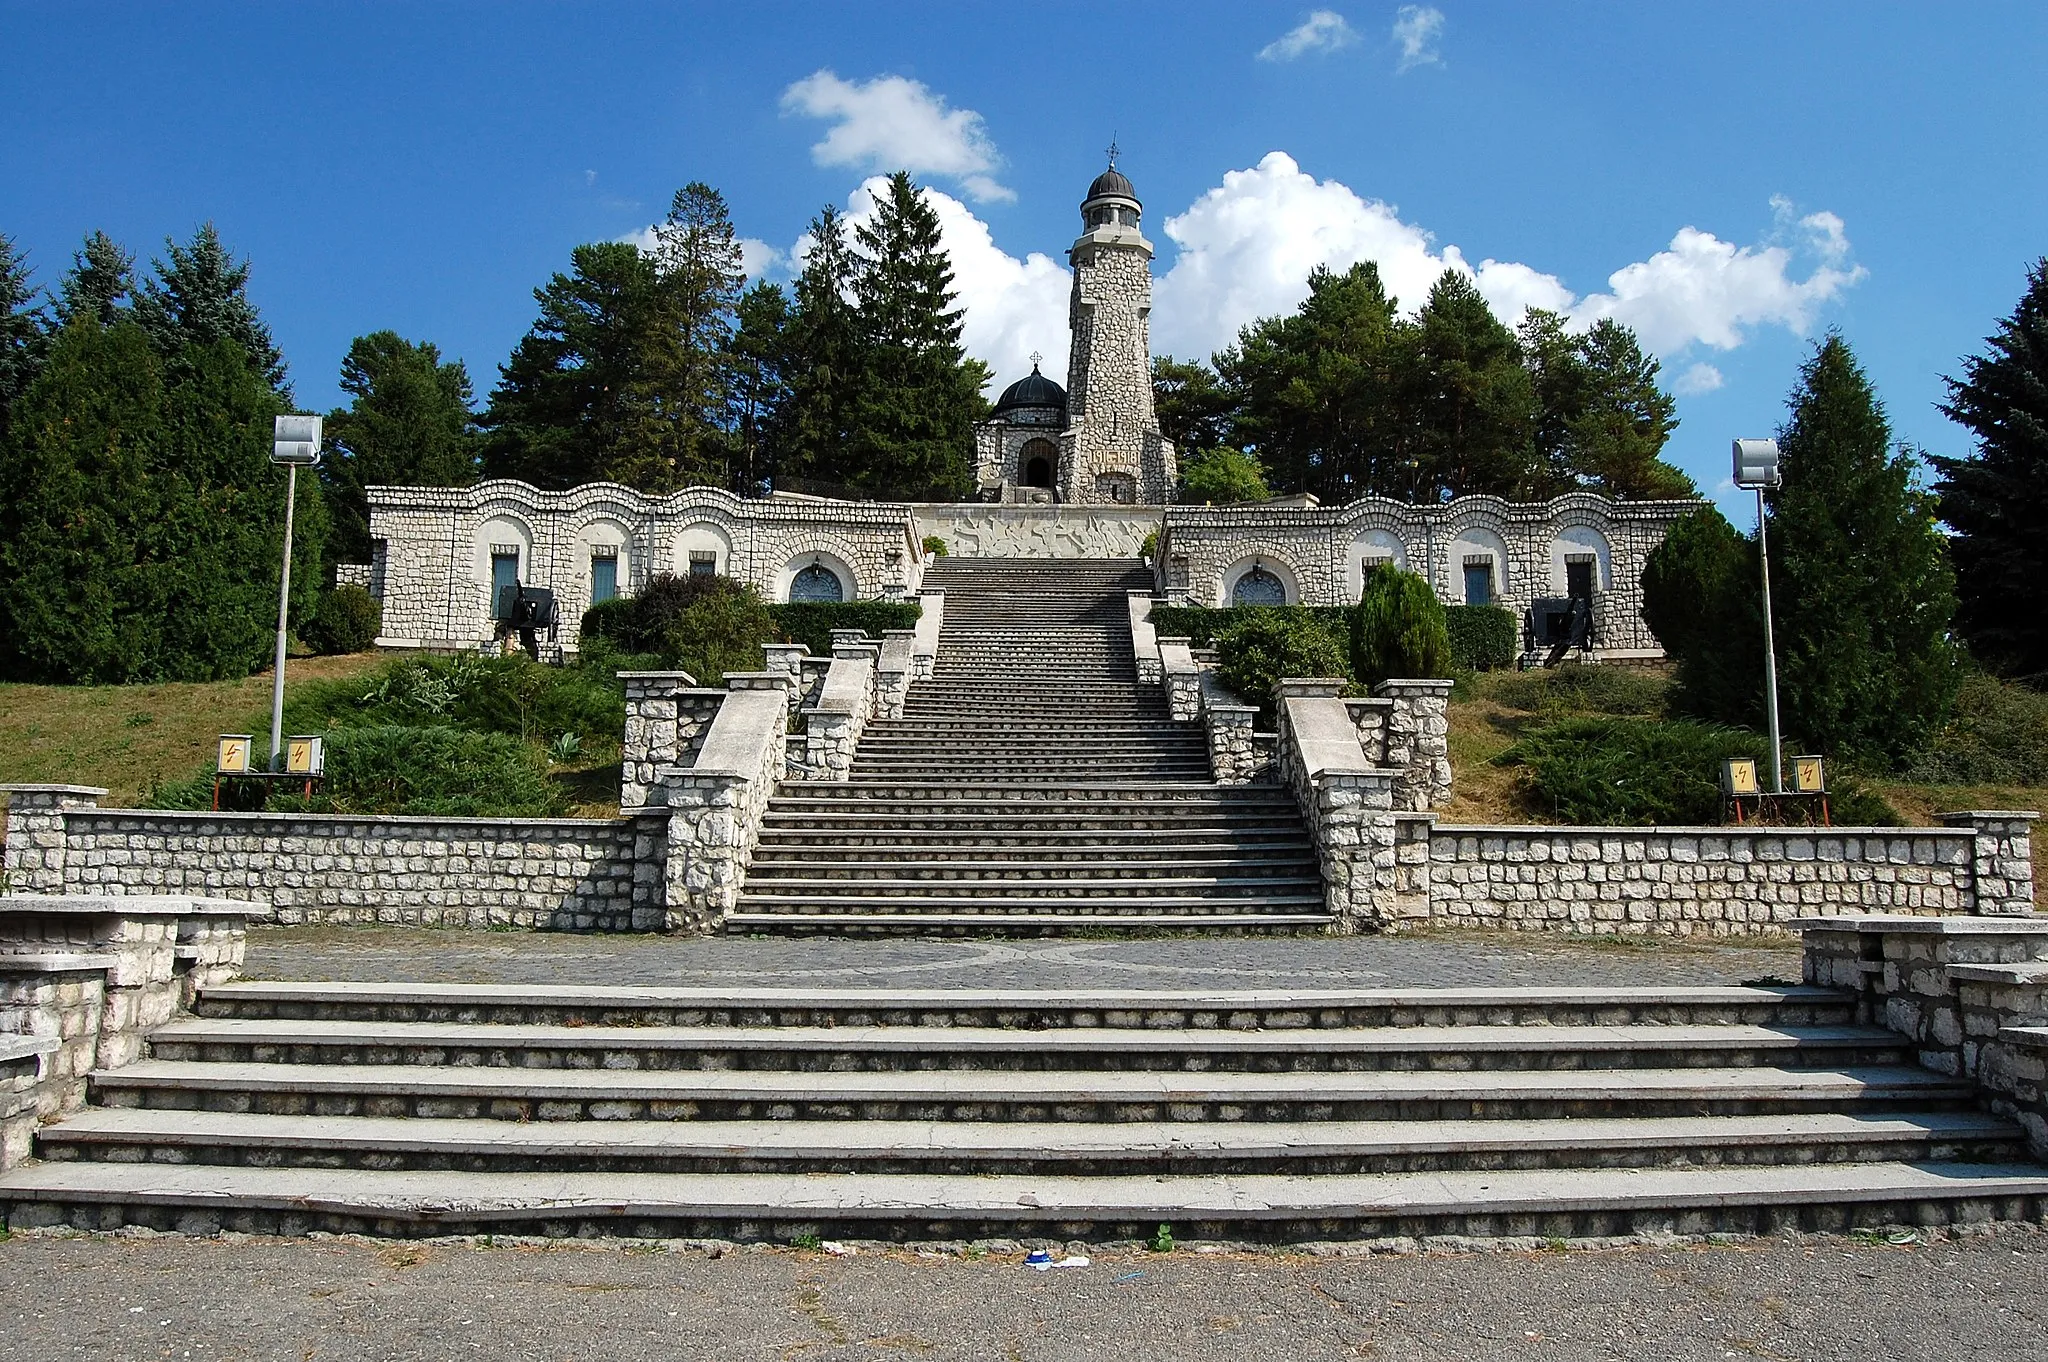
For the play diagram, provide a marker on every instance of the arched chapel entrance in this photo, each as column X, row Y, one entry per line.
column 1037, row 462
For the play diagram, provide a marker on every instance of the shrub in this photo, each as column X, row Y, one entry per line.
column 347, row 620
column 510, row 695
column 719, row 631
column 811, row 622
column 1482, row 637
column 935, row 546
column 1220, row 477
column 1998, row 736
column 1632, row 772
column 1150, row 545
column 615, row 622
column 1397, row 629
column 1264, row 644
column 1575, row 688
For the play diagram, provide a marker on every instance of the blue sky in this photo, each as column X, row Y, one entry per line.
column 1731, row 179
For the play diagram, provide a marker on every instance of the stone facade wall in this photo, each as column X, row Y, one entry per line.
column 1691, row 881
column 578, row 874
column 1319, row 552
column 973, row 530
column 436, row 545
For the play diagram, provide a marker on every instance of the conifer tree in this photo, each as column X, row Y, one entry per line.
column 1864, row 593
column 1702, row 598
column 1191, row 403
column 1615, row 435
column 408, row 423
column 920, row 395
column 199, row 297
column 1398, row 628
column 825, row 357
column 1469, row 405
column 697, row 266
column 1996, row 499
column 99, row 284
column 759, row 358
column 24, row 330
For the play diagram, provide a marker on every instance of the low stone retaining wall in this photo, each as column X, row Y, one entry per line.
column 574, row 874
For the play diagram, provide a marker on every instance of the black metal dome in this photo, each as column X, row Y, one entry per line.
column 1112, row 182
column 1033, row 390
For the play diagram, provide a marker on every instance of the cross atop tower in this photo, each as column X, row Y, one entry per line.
column 1035, row 359
column 1112, row 151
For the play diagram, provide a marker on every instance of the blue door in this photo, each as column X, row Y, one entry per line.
column 1479, row 583
column 504, row 573
column 604, row 579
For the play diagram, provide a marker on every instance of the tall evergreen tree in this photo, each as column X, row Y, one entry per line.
column 1703, row 599
column 1313, row 389
column 1616, row 435
column 921, row 394
column 1865, row 593
column 576, row 402
column 826, row 356
column 1996, row 499
column 408, row 423
column 200, row 296
column 1193, row 406
column 697, row 265
column 99, row 285
column 24, row 330
column 759, row 359
column 1468, row 403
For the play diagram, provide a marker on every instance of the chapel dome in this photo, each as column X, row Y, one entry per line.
column 1032, row 390
column 1112, row 182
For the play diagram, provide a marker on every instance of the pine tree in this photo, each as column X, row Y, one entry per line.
column 920, row 396
column 99, row 284
column 1996, row 499
column 1191, row 403
column 1616, row 436
column 199, row 297
column 576, row 402
column 408, row 423
column 697, row 265
column 1469, row 405
column 1863, row 590
column 759, row 358
column 826, row 357
column 24, row 330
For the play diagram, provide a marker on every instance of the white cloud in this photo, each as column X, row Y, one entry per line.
column 1699, row 378
column 757, row 257
column 893, row 123
column 1012, row 307
column 1323, row 31
column 1416, row 29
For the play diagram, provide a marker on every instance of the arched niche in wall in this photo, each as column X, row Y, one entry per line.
column 1038, row 463
column 1468, row 544
column 1580, row 542
column 698, row 539
column 812, row 576
column 1256, row 579
column 599, row 541
column 1369, row 545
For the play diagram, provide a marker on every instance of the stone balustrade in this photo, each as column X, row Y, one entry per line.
column 931, row 618
column 1144, row 638
column 1969, row 993
column 895, row 669
column 1347, row 801
column 1182, row 679
column 715, row 806
column 84, row 977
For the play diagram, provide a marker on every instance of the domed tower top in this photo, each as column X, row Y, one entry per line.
column 1112, row 200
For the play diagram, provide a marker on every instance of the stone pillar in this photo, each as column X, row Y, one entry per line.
column 1144, row 638
column 649, row 741
column 894, row 672
column 1347, row 801
column 1232, row 755
column 2001, row 859
column 1183, row 680
column 931, row 618
column 34, row 859
column 787, row 657
column 1419, row 742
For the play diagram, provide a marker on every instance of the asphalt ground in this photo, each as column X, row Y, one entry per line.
column 1436, row 959
column 1982, row 1297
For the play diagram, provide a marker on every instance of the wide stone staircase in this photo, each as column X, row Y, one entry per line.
column 1031, row 785
column 412, row 1109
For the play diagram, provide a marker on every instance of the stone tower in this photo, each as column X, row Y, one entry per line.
column 1112, row 450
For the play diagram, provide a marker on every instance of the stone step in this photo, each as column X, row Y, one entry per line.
column 1125, row 900
column 227, row 1139
column 1295, row 1010
column 1124, row 893
column 840, row 1049
column 1016, row 1095
column 942, row 847
column 922, row 866
column 1037, row 924
column 1081, row 794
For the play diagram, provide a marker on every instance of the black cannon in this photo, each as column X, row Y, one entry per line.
column 526, row 610
column 1559, row 623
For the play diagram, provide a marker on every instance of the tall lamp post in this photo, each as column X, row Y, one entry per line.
column 1756, row 466
column 294, row 443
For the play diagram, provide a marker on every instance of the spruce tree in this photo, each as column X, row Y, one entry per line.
column 1862, row 586
column 826, row 357
column 24, row 330
column 99, row 284
column 200, row 297
column 1996, row 499
column 408, row 423
column 697, row 265
column 920, row 395
column 1702, row 598
column 1468, row 404
column 759, row 359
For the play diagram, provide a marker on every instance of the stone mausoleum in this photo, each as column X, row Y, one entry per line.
column 1080, row 471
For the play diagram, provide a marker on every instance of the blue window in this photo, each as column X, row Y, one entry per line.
column 504, row 573
column 604, row 577
column 816, row 583
column 1479, row 581
column 1259, row 587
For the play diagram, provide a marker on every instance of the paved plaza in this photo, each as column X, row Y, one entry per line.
column 1445, row 959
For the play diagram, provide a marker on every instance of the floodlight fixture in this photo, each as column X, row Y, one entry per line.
column 1756, row 464
column 294, row 444
column 295, row 441
column 1757, row 467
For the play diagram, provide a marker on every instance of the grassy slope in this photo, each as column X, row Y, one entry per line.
column 1483, row 727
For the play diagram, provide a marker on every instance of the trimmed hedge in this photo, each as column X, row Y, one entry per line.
column 811, row 622
column 347, row 620
column 1482, row 636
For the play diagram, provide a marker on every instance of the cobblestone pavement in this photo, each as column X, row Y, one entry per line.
column 1983, row 1297
column 1422, row 960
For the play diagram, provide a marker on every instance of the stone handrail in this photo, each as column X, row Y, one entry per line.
column 1144, row 638
column 924, row 656
column 833, row 726
column 894, row 671
column 716, row 805
column 1182, row 678
column 1347, row 801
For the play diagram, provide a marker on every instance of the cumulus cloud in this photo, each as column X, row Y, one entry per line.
column 893, row 123
column 1697, row 379
column 1416, row 30
column 1323, row 31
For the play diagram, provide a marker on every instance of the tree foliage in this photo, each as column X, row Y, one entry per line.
column 1996, row 499
column 1398, row 628
column 24, row 329
column 1222, row 477
column 199, row 296
column 98, row 285
column 408, row 423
